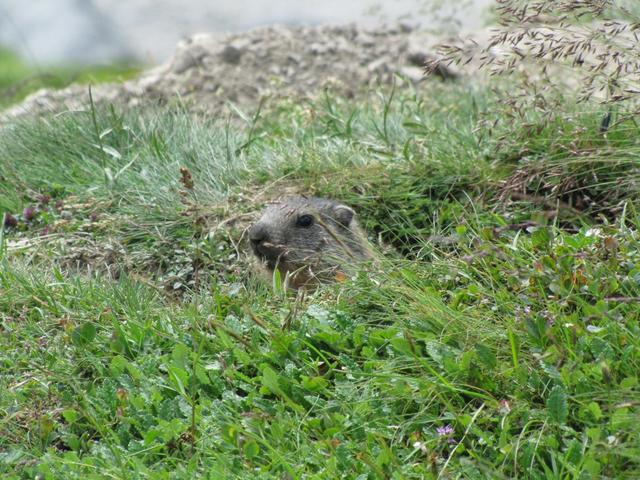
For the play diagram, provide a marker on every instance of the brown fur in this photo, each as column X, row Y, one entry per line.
column 325, row 249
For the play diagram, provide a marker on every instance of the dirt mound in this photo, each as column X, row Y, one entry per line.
column 209, row 70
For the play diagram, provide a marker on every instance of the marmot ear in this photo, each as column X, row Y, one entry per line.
column 344, row 214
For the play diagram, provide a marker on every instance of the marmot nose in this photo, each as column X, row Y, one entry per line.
column 258, row 234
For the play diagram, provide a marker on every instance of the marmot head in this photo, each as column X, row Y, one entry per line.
column 308, row 238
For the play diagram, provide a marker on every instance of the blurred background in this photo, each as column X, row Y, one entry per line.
column 56, row 42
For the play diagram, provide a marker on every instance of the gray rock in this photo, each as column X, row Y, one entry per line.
column 414, row 74
column 188, row 58
column 209, row 70
column 231, row 54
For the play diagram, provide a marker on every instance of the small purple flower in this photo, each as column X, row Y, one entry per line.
column 29, row 213
column 10, row 220
column 93, row 217
column 43, row 199
column 446, row 430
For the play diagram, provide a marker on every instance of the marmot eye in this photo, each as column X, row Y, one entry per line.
column 304, row 221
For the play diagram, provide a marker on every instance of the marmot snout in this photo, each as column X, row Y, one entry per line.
column 308, row 239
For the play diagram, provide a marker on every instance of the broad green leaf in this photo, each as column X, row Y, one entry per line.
column 557, row 405
column 251, row 449
column 270, row 381
column 180, row 355
column 70, row 415
column 179, row 378
column 84, row 334
column 118, row 365
column 486, row 356
column 314, row 384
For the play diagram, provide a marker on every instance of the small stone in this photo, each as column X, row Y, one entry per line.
column 414, row 74
column 231, row 54
column 66, row 215
column 407, row 26
column 188, row 58
column 365, row 39
column 379, row 65
column 418, row 58
column 318, row 48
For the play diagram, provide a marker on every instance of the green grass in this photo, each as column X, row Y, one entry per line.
column 498, row 337
column 17, row 79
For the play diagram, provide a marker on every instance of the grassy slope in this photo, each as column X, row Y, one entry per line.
column 18, row 79
column 525, row 341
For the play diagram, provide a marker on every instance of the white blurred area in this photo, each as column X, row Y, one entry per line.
column 101, row 31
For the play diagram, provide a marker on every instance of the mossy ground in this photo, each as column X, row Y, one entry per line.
column 498, row 337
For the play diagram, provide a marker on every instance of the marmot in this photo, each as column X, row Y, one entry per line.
column 309, row 239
